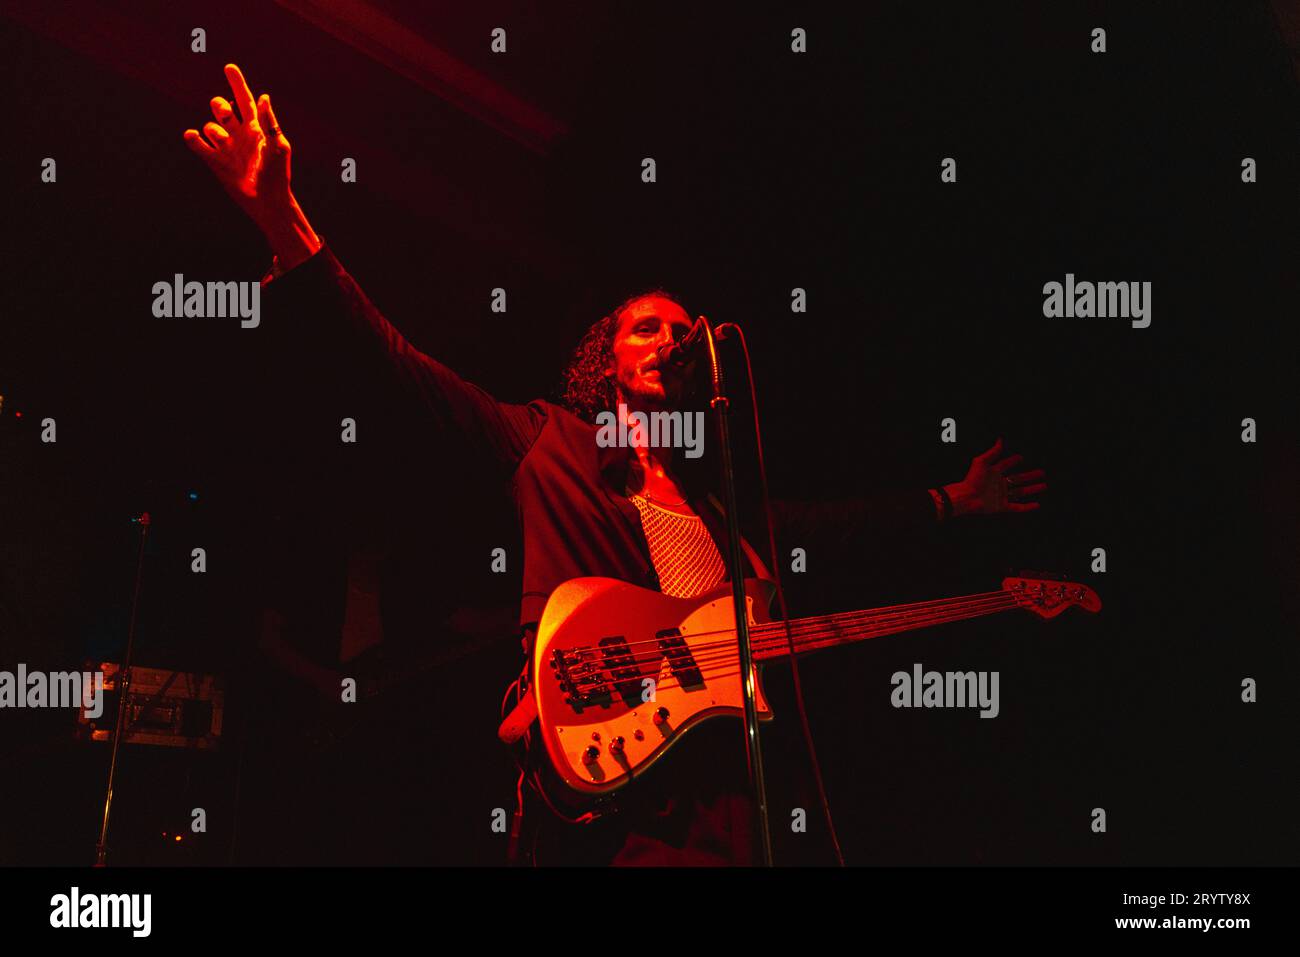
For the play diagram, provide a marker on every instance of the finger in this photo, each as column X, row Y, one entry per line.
column 243, row 95
column 1009, row 463
column 1027, row 490
column 199, row 145
column 1021, row 478
column 1023, row 506
column 223, row 111
column 216, row 134
column 992, row 452
column 270, row 125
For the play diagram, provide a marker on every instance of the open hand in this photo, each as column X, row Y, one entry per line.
column 247, row 152
column 990, row 486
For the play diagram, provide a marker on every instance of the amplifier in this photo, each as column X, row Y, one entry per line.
column 176, row 709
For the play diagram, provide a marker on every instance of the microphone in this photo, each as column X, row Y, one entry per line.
column 677, row 355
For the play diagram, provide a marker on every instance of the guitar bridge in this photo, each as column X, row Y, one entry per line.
column 581, row 679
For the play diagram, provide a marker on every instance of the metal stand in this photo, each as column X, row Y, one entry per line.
column 123, row 686
column 753, row 751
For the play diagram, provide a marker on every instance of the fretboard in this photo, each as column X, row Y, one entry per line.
column 826, row 631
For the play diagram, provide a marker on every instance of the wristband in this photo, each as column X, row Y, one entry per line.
column 277, row 270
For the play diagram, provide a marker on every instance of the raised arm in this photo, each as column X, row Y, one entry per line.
column 250, row 156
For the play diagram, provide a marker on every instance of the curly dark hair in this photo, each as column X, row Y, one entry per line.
column 586, row 390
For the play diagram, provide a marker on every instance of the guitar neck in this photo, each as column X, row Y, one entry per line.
column 827, row 631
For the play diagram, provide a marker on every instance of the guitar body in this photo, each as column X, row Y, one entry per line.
column 621, row 673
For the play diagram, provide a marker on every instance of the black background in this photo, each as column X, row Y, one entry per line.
column 775, row 170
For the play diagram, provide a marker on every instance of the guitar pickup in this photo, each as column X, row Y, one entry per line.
column 680, row 660
column 622, row 668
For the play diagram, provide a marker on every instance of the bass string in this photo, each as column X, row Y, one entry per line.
column 711, row 665
column 710, row 651
column 848, row 619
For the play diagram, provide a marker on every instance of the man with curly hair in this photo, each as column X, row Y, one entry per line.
column 641, row 514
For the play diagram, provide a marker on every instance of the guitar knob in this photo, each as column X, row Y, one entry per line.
column 661, row 715
column 590, row 755
column 616, row 745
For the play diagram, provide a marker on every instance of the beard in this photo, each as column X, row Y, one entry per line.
column 667, row 392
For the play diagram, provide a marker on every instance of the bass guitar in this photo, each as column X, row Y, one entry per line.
column 621, row 673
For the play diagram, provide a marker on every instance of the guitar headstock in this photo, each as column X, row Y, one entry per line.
column 1048, row 598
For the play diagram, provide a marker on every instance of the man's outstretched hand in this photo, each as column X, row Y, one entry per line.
column 249, row 154
column 990, row 485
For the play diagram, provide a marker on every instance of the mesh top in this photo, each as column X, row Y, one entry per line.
column 685, row 558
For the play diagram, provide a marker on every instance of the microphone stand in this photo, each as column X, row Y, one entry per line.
column 123, row 686
column 753, row 752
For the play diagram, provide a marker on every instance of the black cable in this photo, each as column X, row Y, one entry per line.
column 780, row 598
